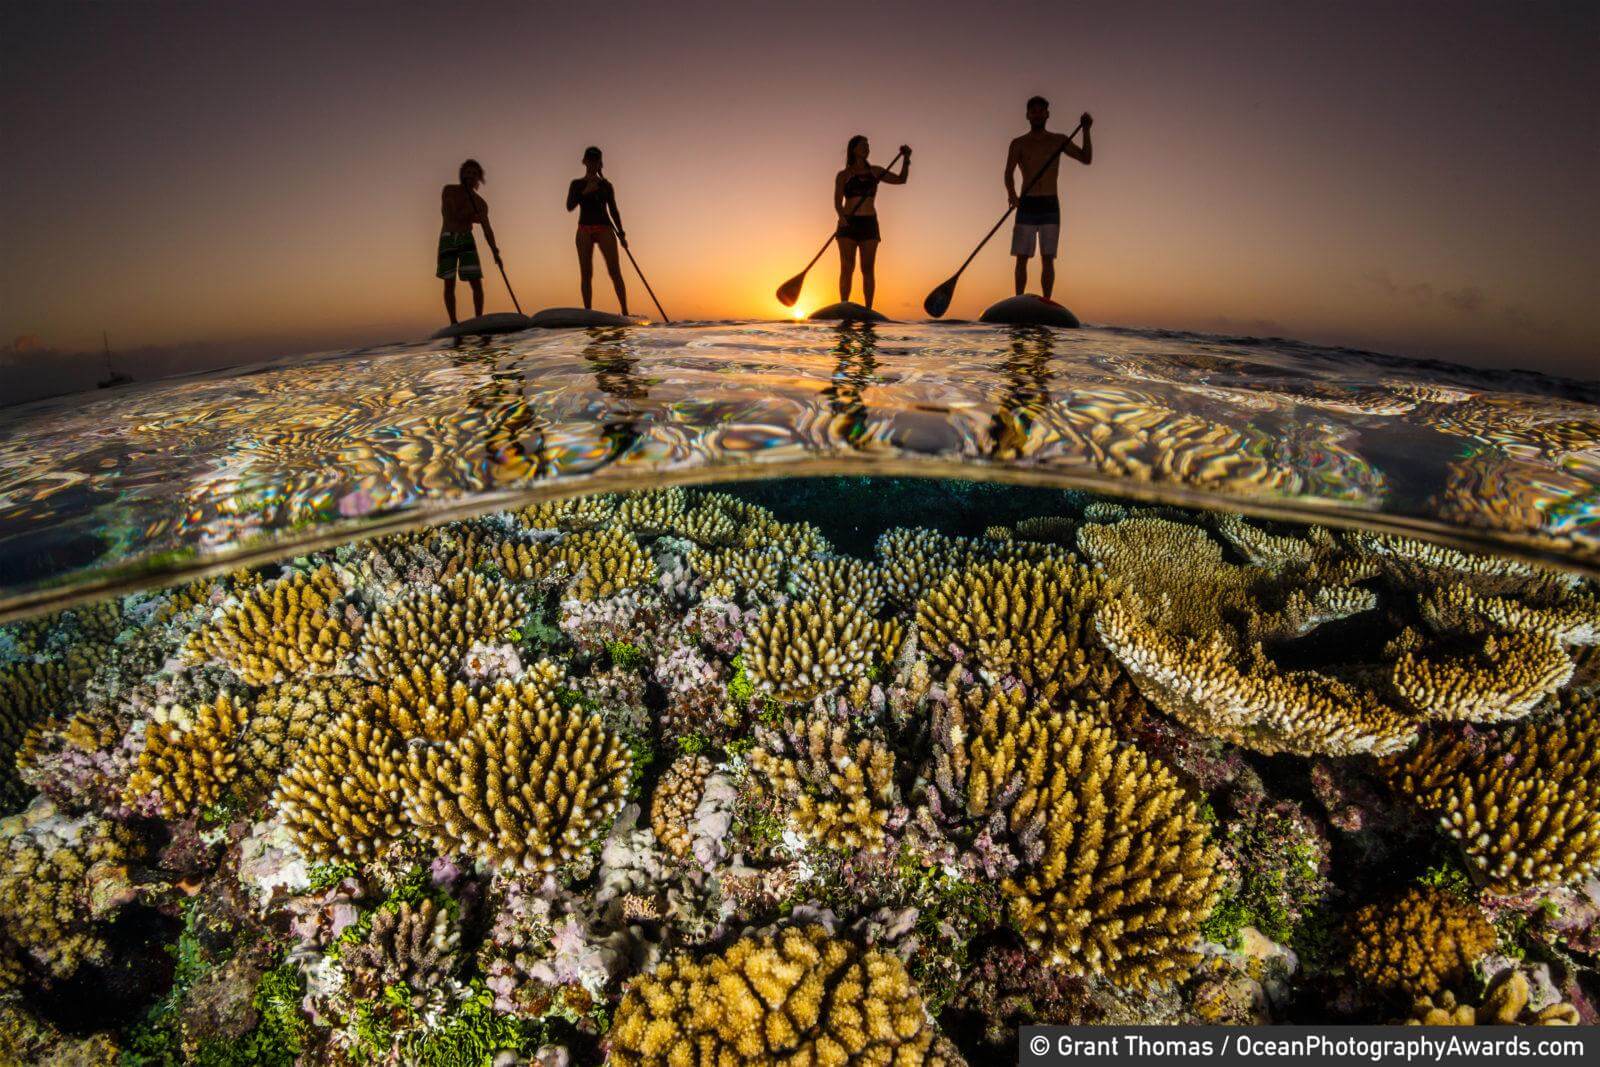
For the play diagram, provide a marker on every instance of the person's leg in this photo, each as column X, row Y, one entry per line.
column 1047, row 275
column 1022, row 275
column 869, row 277
column 586, row 268
column 847, row 266
column 477, row 295
column 608, row 249
column 450, row 299
column 1023, row 238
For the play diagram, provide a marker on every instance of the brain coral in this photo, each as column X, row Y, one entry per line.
column 289, row 628
column 1420, row 943
column 1523, row 803
column 794, row 997
column 1032, row 620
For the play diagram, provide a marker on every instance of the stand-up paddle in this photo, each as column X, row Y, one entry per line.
column 938, row 301
column 503, row 278
column 664, row 316
column 789, row 291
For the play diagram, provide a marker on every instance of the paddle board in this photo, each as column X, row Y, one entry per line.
column 1028, row 310
column 847, row 311
column 559, row 318
column 499, row 322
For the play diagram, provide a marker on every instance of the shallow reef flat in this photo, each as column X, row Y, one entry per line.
column 611, row 776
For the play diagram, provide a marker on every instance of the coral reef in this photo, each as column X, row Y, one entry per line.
column 1424, row 941
column 288, row 628
column 189, row 758
column 435, row 626
column 1504, row 1003
column 804, row 648
column 837, row 789
column 797, row 996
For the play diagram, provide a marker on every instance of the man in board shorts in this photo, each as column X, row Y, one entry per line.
column 460, row 207
column 1038, row 222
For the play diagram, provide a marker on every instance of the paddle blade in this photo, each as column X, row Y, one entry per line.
column 938, row 301
column 789, row 291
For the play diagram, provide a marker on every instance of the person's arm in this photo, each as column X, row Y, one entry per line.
column 838, row 195
column 444, row 203
column 481, row 209
column 616, row 216
column 890, row 178
column 573, row 191
column 1012, row 163
column 1085, row 154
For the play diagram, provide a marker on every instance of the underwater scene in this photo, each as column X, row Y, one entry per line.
column 838, row 695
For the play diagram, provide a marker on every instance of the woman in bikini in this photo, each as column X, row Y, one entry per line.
column 855, row 190
column 599, row 223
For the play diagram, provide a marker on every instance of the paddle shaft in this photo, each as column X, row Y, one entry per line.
column 1025, row 190
column 835, row 234
column 472, row 205
column 609, row 222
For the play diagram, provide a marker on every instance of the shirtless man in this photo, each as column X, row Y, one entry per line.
column 1039, row 208
column 460, row 207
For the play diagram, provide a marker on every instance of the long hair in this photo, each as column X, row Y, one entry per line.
column 471, row 164
column 850, row 149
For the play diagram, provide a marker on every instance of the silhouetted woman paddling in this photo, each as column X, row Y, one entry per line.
column 855, row 191
column 596, row 202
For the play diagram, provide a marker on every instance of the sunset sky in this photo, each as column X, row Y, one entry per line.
column 1416, row 178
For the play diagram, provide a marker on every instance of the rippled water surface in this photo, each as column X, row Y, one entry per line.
column 153, row 481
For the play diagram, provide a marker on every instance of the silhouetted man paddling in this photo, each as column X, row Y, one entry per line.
column 460, row 207
column 1039, row 210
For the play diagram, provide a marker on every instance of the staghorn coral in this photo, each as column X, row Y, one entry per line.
column 677, row 796
column 796, row 996
column 58, row 877
column 525, row 787
column 913, row 560
column 411, row 942
column 603, row 563
column 1419, row 943
column 341, row 795
column 1524, row 804
column 569, row 513
column 1506, row 677
column 283, row 720
column 1117, row 874
column 756, row 572
column 837, row 788
column 841, row 578
column 189, row 759
column 434, row 626
column 652, row 512
column 1208, row 686
column 288, row 628
column 1504, row 1003
column 804, row 648
column 1030, row 620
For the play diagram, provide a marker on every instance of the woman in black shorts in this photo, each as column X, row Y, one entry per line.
column 855, row 190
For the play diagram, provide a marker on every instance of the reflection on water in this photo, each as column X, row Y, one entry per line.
column 195, row 471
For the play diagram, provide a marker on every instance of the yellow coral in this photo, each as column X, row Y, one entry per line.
column 653, row 511
column 1033, row 620
column 341, row 796
column 1419, row 943
column 803, row 648
column 434, row 626
column 283, row 720
column 841, row 577
column 526, row 786
column 189, row 757
column 755, row 571
column 1507, row 677
column 603, row 563
column 913, row 560
column 1504, row 1003
column 289, row 628
column 1525, row 805
column 49, row 866
column 794, row 997
column 1212, row 688
column 569, row 513
column 29, row 692
column 838, row 788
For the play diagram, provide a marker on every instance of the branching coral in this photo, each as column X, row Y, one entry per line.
column 1524, row 805
column 341, row 796
column 1506, row 677
column 190, row 756
column 1570, row 619
column 1206, row 685
column 414, row 943
column 58, row 876
column 289, row 628
column 1118, row 874
column 676, row 798
column 842, row 578
column 603, row 563
column 1030, row 620
column 653, row 511
column 1420, row 943
column 804, row 648
column 1047, row 529
column 527, row 785
column 913, row 560
column 569, row 513
column 434, row 626
column 798, row 996
column 1177, row 567
column 837, row 788
column 1504, row 1003
column 283, row 720
column 756, row 572
column 29, row 692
